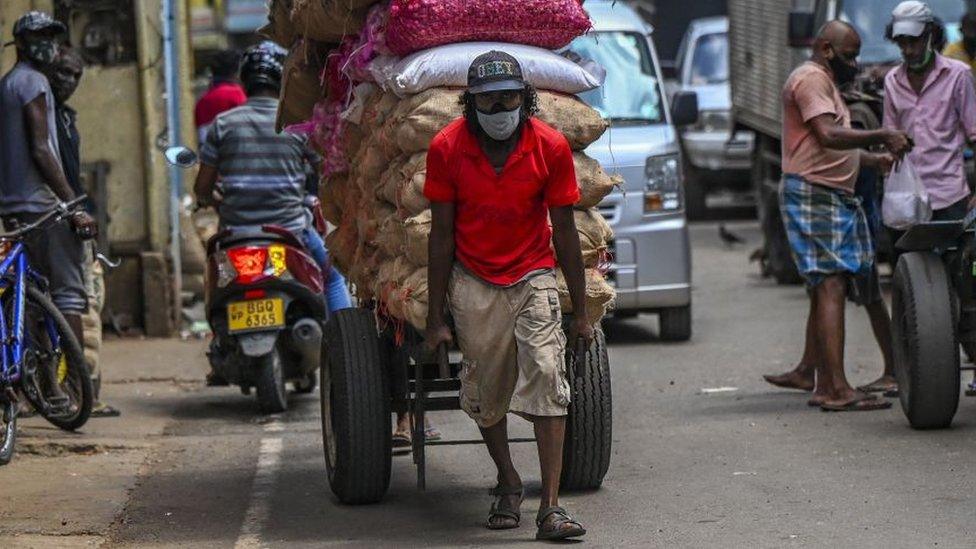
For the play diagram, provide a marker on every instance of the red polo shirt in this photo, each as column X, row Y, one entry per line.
column 501, row 223
column 222, row 96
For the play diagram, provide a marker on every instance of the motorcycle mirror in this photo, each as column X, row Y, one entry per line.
column 181, row 157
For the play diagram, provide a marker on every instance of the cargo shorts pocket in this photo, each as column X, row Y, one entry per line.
column 470, row 390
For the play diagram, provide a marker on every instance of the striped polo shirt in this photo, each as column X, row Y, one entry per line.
column 262, row 173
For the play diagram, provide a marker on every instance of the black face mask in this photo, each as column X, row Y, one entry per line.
column 843, row 72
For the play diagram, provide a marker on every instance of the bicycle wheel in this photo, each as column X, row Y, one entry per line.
column 50, row 343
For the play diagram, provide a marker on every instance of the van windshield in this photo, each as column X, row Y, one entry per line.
column 710, row 62
column 631, row 93
column 870, row 17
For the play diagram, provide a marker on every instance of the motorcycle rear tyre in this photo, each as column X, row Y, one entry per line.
column 270, row 383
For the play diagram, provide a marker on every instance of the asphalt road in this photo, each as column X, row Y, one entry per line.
column 749, row 467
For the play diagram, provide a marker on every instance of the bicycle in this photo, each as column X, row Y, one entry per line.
column 37, row 345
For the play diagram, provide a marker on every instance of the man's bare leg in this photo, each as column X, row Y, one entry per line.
column 550, row 432
column 496, row 439
column 881, row 326
column 803, row 376
column 830, row 334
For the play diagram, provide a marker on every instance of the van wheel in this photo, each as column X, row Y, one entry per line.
column 676, row 323
column 695, row 193
column 925, row 340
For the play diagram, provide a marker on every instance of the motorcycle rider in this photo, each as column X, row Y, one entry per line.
column 262, row 174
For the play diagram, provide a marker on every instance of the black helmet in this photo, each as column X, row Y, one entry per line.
column 263, row 65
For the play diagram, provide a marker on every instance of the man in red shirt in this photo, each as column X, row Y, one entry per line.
column 495, row 178
column 225, row 91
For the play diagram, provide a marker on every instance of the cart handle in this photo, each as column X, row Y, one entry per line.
column 443, row 362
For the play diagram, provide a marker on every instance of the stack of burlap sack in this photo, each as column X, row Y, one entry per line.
column 376, row 200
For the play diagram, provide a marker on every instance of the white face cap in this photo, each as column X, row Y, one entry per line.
column 909, row 18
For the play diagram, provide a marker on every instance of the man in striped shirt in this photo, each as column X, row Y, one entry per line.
column 261, row 173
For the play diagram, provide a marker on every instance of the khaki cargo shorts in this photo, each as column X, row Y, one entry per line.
column 513, row 345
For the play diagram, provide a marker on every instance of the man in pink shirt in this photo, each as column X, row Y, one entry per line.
column 824, row 221
column 933, row 99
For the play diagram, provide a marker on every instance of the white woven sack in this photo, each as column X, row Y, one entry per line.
column 447, row 66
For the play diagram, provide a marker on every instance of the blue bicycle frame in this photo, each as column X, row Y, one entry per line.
column 15, row 272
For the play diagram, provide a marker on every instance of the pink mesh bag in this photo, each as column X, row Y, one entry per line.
column 420, row 24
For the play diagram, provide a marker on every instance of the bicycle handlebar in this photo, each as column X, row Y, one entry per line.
column 60, row 212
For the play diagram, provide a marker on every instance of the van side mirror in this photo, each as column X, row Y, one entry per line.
column 684, row 108
column 181, row 157
column 801, row 28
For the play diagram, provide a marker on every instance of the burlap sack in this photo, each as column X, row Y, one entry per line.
column 300, row 88
column 580, row 123
column 330, row 195
column 279, row 28
column 406, row 238
column 594, row 231
column 417, row 119
column 410, row 198
column 599, row 295
column 421, row 117
column 327, row 20
column 594, row 183
column 403, row 185
column 341, row 244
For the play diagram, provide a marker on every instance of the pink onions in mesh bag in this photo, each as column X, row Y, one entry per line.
column 419, row 24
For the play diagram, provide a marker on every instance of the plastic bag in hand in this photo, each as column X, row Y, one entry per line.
column 906, row 202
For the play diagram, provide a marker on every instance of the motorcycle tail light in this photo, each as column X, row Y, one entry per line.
column 249, row 262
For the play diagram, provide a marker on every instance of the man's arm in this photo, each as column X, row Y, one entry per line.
column 44, row 157
column 565, row 239
column 440, row 249
column 205, row 185
column 882, row 161
column 832, row 135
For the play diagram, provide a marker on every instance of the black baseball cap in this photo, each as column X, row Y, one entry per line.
column 495, row 71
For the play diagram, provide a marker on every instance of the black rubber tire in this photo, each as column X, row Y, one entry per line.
column 675, row 323
column 8, row 431
column 925, row 341
column 269, row 383
column 355, row 400
column 777, row 257
column 308, row 385
column 78, row 372
column 696, row 193
column 589, row 424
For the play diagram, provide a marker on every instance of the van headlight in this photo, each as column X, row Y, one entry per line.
column 663, row 190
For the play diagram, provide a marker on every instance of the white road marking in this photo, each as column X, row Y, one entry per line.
column 258, row 510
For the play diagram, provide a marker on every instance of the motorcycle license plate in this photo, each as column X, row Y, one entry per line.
column 255, row 314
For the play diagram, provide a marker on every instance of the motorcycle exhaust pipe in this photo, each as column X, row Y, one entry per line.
column 307, row 336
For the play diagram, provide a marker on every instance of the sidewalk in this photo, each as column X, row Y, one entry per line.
column 68, row 489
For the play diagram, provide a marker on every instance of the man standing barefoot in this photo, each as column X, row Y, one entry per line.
column 826, row 225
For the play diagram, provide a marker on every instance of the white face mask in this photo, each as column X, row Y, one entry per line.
column 501, row 125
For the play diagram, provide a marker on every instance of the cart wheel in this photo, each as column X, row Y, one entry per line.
column 355, row 409
column 589, row 426
column 926, row 346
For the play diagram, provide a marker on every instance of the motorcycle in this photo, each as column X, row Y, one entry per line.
column 265, row 305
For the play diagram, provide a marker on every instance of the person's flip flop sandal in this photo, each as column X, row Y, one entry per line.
column 501, row 508
column 557, row 532
column 863, row 403
column 878, row 388
column 401, row 443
